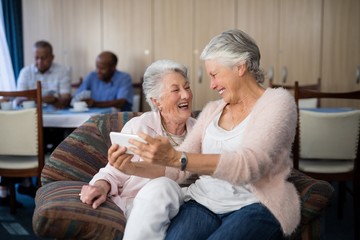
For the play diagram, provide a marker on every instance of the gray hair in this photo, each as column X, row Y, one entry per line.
column 232, row 48
column 153, row 78
column 43, row 44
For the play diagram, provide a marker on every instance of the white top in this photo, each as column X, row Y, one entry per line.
column 55, row 81
column 218, row 195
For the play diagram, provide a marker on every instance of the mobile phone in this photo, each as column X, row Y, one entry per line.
column 122, row 139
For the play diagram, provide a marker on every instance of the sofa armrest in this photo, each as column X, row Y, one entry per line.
column 79, row 156
column 315, row 195
column 60, row 214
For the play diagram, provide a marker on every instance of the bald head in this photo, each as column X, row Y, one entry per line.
column 106, row 65
column 108, row 57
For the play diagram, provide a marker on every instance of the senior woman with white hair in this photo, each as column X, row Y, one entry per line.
column 167, row 91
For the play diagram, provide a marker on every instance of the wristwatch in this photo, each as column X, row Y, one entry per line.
column 183, row 161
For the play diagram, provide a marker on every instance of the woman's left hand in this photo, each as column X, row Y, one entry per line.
column 156, row 150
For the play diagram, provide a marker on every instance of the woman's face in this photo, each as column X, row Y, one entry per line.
column 223, row 79
column 176, row 98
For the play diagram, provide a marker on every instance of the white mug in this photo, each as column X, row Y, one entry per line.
column 6, row 106
column 28, row 104
column 81, row 105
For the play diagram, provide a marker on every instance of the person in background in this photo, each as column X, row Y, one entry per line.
column 240, row 147
column 55, row 86
column 56, row 91
column 55, row 79
column 167, row 90
column 107, row 86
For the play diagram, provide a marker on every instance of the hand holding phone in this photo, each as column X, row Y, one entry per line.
column 122, row 139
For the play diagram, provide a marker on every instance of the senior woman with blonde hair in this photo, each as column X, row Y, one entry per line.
column 167, row 90
column 240, row 147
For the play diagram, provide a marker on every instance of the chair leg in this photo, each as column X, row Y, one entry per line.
column 356, row 199
column 341, row 199
column 12, row 197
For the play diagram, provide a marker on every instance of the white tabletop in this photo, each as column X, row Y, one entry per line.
column 67, row 118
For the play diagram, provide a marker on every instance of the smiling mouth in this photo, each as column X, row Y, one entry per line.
column 221, row 91
column 183, row 105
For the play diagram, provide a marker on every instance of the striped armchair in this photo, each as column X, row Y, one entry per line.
column 60, row 214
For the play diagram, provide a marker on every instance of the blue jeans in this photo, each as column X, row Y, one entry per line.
column 196, row 222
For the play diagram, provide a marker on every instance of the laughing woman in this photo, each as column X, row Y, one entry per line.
column 167, row 90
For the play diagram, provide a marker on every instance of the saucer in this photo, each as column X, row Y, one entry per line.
column 78, row 110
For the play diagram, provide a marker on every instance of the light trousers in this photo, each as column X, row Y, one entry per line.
column 153, row 208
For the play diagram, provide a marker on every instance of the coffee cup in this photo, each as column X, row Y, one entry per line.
column 6, row 106
column 28, row 104
column 81, row 105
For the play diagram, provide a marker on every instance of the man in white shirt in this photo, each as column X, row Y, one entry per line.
column 55, row 79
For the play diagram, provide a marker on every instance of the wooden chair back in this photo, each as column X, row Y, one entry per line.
column 304, row 103
column 138, row 96
column 335, row 137
column 22, row 151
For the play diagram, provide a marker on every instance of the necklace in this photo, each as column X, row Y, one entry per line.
column 179, row 138
column 240, row 118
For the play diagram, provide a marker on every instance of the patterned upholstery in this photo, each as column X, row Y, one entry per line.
column 60, row 214
column 315, row 195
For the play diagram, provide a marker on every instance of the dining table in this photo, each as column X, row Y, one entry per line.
column 69, row 117
column 329, row 109
column 59, row 123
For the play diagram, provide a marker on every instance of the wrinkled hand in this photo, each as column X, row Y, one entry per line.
column 93, row 195
column 121, row 160
column 156, row 150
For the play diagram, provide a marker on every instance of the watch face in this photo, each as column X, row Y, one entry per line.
column 183, row 161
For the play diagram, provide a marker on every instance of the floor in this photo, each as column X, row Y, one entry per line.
column 19, row 226
column 339, row 229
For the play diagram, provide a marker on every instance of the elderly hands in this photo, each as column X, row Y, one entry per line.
column 95, row 195
column 157, row 150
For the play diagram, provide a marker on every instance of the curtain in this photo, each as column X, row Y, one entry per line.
column 7, row 78
column 12, row 10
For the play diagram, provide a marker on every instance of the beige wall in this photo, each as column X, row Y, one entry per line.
column 300, row 40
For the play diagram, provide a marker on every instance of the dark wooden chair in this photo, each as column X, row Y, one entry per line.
column 21, row 142
column 75, row 86
column 327, row 145
column 310, row 102
column 138, row 96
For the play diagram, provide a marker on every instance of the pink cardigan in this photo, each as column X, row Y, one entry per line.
column 264, row 160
